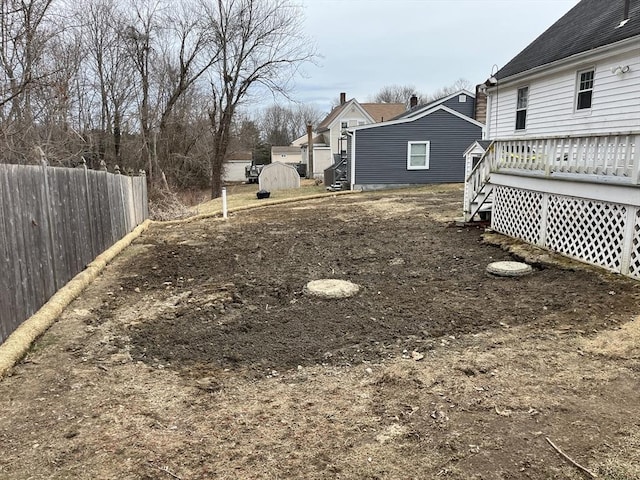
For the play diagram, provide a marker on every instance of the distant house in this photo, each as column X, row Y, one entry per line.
column 330, row 137
column 286, row 154
column 423, row 145
column 563, row 118
column 234, row 166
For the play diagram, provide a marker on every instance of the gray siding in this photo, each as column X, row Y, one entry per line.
column 465, row 108
column 381, row 152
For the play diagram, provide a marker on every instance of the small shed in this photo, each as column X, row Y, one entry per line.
column 278, row 176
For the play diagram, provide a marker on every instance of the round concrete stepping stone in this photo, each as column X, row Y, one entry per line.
column 509, row 269
column 331, row 288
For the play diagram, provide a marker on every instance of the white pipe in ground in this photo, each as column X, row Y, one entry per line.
column 224, row 203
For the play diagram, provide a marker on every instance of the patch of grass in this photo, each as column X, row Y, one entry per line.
column 624, row 463
column 42, row 343
column 244, row 195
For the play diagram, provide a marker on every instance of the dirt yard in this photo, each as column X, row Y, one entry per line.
column 197, row 356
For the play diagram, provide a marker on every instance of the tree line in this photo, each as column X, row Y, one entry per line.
column 145, row 84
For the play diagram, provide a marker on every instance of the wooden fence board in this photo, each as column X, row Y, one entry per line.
column 53, row 222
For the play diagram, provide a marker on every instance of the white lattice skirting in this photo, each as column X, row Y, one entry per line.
column 596, row 232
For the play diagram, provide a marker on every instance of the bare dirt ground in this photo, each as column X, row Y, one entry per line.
column 196, row 355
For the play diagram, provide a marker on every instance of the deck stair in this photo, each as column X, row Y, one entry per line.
column 478, row 193
column 335, row 177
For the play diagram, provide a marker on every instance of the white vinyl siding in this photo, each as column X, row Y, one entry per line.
column 551, row 106
column 418, row 155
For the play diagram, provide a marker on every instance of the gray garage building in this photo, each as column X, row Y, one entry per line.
column 423, row 145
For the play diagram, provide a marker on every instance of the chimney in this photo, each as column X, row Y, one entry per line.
column 413, row 101
column 343, row 98
column 480, row 106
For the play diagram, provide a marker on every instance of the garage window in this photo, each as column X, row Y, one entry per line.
column 418, row 156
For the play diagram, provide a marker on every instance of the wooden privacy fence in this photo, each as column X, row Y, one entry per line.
column 53, row 222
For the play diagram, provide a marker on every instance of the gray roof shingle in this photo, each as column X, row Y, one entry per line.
column 588, row 25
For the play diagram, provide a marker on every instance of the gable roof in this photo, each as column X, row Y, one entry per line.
column 377, row 112
column 426, row 106
column 418, row 115
column 588, row 25
column 335, row 113
column 383, row 111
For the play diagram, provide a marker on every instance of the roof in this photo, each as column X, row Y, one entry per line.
column 318, row 139
column 484, row 144
column 383, row 111
column 588, row 25
column 417, row 116
column 241, row 155
column 277, row 150
column 429, row 105
column 377, row 111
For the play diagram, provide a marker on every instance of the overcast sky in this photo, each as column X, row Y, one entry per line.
column 368, row 44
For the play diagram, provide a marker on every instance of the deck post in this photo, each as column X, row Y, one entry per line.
column 628, row 239
column 636, row 160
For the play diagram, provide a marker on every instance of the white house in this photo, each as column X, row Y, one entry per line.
column 290, row 154
column 563, row 116
column 330, row 140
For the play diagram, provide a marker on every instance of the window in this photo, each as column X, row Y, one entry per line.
column 462, row 98
column 585, row 90
column 344, row 124
column 418, row 156
column 521, row 108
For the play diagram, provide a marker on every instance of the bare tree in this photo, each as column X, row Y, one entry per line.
column 109, row 77
column 281, row 125
column 23, row 39
column 397, row 94
column 460, row 84
column 140, row 35
column 260, row 45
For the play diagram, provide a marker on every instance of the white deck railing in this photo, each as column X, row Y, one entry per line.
column 597, row 158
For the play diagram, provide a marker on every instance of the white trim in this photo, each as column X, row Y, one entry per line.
column 577, row 90
column 339, row 118
column 606, row 192
column 417, row 117
column 353, row 158
column 427, row 155
column 593, row 56
column 440, row 101
column 526, row 108
column 472, row 147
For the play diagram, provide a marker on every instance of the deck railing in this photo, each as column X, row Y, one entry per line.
column 597, row 158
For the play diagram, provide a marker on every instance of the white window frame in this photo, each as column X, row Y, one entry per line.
column 579, row 90
column 427, row 155
column 520, row 108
